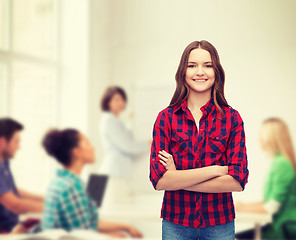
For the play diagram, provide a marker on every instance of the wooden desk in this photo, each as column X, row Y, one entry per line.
column 144, row 213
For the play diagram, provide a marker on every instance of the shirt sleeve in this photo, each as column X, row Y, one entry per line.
column 123, row 138
column 4, row 187
column 283, row 175
column 236, row 152
column 160, row 142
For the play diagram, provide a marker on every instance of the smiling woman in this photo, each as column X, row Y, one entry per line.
column 196, row 65
column 198, row 154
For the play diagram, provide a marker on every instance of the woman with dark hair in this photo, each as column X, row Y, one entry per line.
column 67, row 204
column 120, row 147
column 198, row 153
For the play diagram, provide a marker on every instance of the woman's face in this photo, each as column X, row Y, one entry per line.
column 85, row 150
column 200, row 75
column 11, row 146
column 117, row 103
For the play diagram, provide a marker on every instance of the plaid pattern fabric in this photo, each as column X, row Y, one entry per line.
column 67, row 205
column 216, row 142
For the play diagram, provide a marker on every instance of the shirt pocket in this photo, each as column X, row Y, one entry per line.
column 179, row 143
column 216, row 141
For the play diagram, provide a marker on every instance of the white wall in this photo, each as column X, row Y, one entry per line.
column 138, row 45
column 256, row 44
column 74, row 60
column 32, row 168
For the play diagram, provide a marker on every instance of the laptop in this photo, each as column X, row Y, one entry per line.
column 96, row 187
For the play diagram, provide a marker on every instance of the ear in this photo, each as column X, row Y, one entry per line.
column 2, row 142
column 75, row 152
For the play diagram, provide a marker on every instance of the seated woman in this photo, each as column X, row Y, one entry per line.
column 280, row 182
column 67, row 204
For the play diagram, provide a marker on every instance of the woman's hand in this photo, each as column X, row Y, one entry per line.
column 19, row 228
column 167, row 160
column 118, row 230
column 134, row 232
column 117, row 234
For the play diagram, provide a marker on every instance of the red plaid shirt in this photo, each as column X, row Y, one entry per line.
column 216, row 142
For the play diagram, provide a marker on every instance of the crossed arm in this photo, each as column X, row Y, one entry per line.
column 212, row 179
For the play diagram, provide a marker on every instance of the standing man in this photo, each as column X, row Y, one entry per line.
column 13, row 201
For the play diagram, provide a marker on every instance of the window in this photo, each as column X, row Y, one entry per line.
column 33, row 27
column 28, row 81
column 3, row 90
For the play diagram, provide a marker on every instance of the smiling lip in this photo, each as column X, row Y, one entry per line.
column 200, row 80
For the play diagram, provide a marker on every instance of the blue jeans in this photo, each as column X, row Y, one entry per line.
column 173, row 231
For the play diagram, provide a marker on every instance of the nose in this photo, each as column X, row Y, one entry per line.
column 199, row 71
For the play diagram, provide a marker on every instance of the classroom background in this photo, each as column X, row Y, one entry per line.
column 58, row 57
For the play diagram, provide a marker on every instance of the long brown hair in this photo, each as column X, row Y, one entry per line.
column 276, row 136
column 182, row 88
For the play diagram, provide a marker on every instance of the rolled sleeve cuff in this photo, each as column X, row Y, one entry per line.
column 240, row 174
column 157, row 170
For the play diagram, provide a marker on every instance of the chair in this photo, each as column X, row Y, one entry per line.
column 289, row 229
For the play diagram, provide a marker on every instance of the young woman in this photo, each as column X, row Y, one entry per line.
column 279, row 197
column 121, row 149
column 67, row 205
column 198, row 153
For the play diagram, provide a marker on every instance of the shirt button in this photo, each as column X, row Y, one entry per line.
column 217, row 137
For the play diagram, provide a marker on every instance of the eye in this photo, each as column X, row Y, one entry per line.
column 191, row 66
column 208, row 66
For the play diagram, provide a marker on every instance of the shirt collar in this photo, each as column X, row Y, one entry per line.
column 208, row 107
column 64, row 173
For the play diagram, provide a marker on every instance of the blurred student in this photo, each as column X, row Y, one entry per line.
column 280, row 182
column 67, row 204
column 13, row 201
column 120, row 146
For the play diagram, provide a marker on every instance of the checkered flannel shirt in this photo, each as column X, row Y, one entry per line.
column 216, row 142
column 67, row 205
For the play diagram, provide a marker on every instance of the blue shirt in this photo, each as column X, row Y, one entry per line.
column 8, row 219
column 67, row 204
